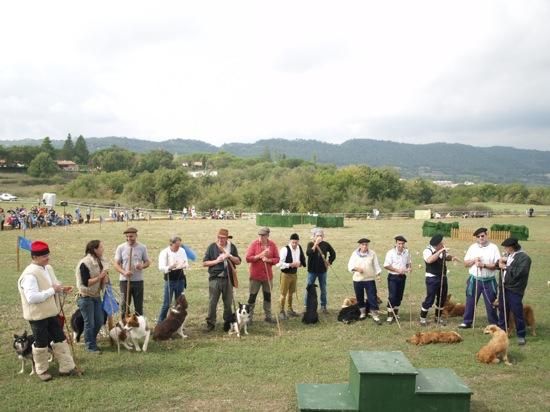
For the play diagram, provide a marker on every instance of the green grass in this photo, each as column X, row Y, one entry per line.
column 259, row 371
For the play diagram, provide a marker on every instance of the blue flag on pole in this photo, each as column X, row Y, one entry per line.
column 109, row 304
column 189, row 252
column 24, row 243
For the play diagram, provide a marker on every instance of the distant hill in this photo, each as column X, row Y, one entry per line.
column 435, row 161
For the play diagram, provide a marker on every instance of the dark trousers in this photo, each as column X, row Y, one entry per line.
column 370, row 287
column 489, row 291
column 46, row 331
column 136, row 293
column 396, row 288
column 514, row 304
column 433, row 289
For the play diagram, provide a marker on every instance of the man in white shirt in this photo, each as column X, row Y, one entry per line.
column 482, row 262
column 172, row 261
column 398, row 265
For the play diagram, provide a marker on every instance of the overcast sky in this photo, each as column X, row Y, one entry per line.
column 473, row 72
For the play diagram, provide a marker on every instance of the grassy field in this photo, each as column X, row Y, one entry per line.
column 211, row 371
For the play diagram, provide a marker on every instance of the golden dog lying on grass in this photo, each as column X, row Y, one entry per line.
column 424, row 338
column 497, row 348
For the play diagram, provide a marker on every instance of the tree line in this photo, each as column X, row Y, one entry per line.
column 158, row 179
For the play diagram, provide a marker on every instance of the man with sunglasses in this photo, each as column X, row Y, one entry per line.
column 482, row 262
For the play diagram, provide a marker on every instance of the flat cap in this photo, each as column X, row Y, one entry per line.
column 264, row 231
column 130, row 230
column 400, row 238
column 510, row 242
column 436, row 239
column 363, row 240
column 480, row 230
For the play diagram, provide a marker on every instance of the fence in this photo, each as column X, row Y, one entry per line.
column 466, row 234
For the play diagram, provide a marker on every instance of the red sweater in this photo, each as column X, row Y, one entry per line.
column 256, row 267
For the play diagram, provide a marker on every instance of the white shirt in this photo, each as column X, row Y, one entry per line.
column 397, row 260
column 282, row 256
column 489, row 255
column 30, row 287
column 167, row 258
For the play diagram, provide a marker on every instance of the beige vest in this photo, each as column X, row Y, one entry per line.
column 50, row 307
column 92, row 264
column 367, row 264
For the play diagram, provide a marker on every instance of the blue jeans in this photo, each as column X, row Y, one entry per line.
column 92, row 313
column 514, row 304
column 322, row 285
column 171, row 288
column 369, row 286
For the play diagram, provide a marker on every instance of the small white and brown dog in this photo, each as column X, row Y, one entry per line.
column 240, row 320
column 130, row 331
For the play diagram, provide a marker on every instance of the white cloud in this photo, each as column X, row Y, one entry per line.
column 475, row 72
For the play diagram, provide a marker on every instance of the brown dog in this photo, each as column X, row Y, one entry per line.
column 497, row 348
column 425, row 338
column 452, row 309
column 528, row 316
column 173, row 322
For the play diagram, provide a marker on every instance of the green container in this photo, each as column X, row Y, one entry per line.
column 330, row 221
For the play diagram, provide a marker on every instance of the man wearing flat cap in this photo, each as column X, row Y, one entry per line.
column 481, row 259
column 363, row 264
column 261, row 255
column 436, row 258
column 398, row 264
column 320, row 255
column 39, row 290
column 130, row 259
column 220, row 258
column 515, row 265
column 291, row 257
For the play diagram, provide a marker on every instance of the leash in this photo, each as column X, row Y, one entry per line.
column 475, row 300
column 505, row 309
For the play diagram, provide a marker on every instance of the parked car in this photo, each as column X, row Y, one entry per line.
column 7, row 197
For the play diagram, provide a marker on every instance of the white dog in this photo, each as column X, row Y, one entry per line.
column 136, row 327
column 118, row 335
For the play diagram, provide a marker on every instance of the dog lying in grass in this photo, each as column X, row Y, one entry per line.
column 350, row 312
column 425, row 338
column 452, row 309
column 497, row 348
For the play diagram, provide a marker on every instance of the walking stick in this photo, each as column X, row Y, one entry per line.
column 392, row 310
column 127, row 312
column 69, row 337
column 443, row 274
column 475, row 300
column 270, row 283
column 505, row 309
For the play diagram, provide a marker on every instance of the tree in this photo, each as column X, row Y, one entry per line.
column 154, row 160
column 67, row 152
column 113, row 159
column 47, row 147
column 81, row 152
column 42, row 166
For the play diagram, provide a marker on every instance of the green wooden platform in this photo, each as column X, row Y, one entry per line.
column 387, row 381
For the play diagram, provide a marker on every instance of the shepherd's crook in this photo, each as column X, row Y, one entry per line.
column 271, row 292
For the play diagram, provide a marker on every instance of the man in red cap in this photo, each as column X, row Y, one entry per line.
column 38, row 288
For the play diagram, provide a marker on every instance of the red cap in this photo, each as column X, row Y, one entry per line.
column 39, row 248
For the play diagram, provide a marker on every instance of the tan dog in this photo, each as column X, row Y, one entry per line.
column 425, row 338
column 528, row 316
column 452, row 309
column 349, row 301
column 497, row 348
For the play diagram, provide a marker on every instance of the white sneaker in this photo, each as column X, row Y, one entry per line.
column 389, row 320
column 423, row 322
column 362, row 316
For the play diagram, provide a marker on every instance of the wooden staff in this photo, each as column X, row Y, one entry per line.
column 127, row 313
column 271, row 292
column 443, row 274
column 475, row 298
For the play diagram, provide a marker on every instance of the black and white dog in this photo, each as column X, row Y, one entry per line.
column 240, row 320
column 310, row 315
column 23, row 348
